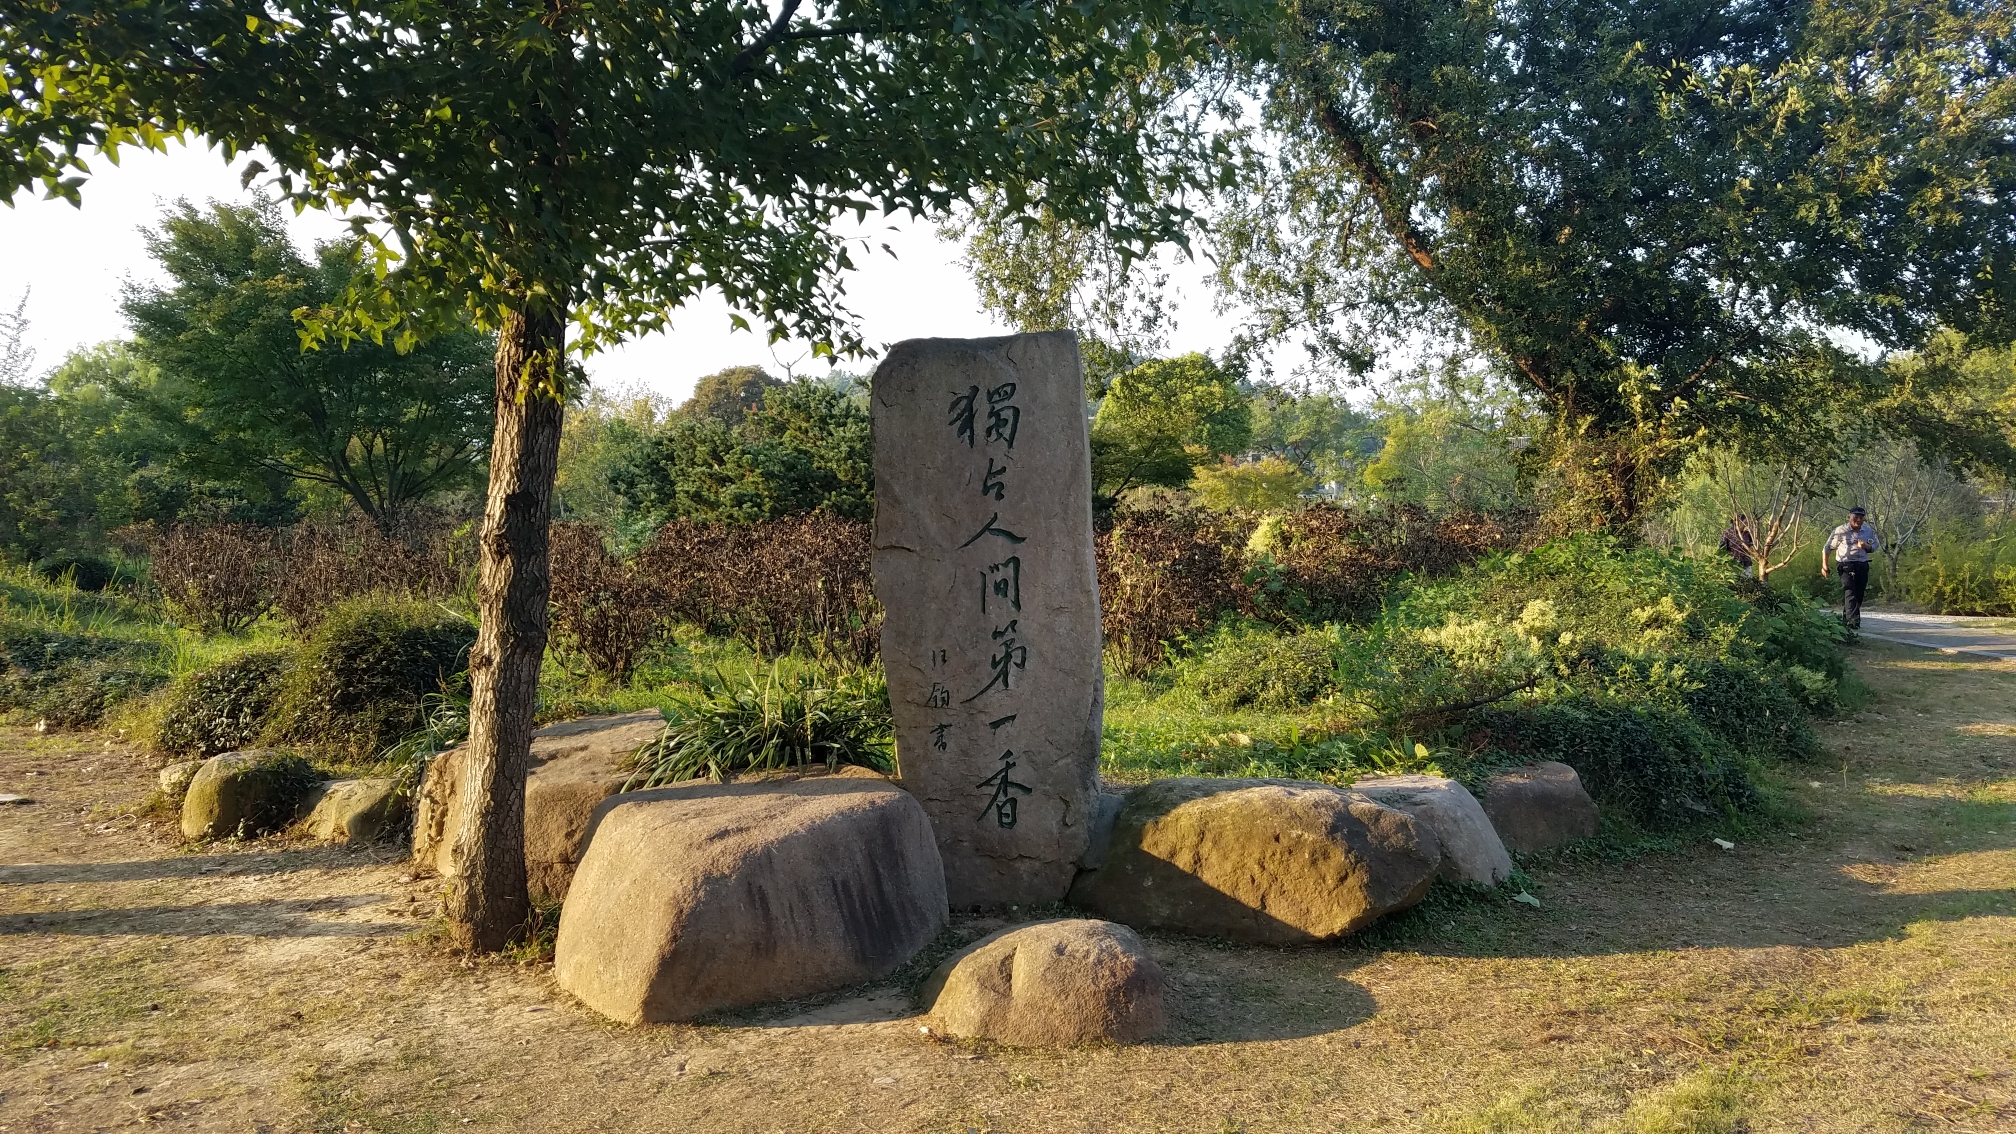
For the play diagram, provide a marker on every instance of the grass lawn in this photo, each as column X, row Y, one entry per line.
column 1855, row 971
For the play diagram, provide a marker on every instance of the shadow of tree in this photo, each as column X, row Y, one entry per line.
column 190, row 866
column 288, row 917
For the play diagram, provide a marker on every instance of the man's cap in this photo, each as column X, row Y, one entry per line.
column 1857, row 511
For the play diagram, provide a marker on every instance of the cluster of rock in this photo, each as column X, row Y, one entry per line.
column 248, row 793
column 690, row 899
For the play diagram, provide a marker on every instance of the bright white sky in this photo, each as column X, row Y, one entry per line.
column 72, row 261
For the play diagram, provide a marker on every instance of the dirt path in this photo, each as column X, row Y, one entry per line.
column 1855, row 973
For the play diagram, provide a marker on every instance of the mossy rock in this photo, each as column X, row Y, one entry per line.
column 245, row 793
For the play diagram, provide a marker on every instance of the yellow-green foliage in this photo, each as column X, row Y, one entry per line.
column 1269, row 484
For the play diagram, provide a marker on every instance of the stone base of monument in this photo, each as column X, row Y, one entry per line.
column 575, row 766
column 1539, row 806
column 701, row 897
column 1050, row 984
column 1471, row 849
column 1272, row 862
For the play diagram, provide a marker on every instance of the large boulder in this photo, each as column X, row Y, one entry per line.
column 1267, row 861
column 249, row 792
column 353, row 811
column 575, row 766
column 1539, row 806
column 1050, row 984
column 1471, row 849
column 707, row 896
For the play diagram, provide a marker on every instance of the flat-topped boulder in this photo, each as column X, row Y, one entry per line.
column 706, row 896
column 353, row 811
column 1539, row 806
column 1268, row 861
column 1048, row 984
column 1471, row 849
column 575, row 766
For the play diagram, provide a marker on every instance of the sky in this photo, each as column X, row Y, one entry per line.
column 71, row 264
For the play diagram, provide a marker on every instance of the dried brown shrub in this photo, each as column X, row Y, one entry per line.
column 606, row 610
column 801, row 581
column 326, row 563
column 1164, row 574
column 217, row 577
column 1337, row 562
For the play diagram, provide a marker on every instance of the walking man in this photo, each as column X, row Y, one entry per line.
column 1851, row 544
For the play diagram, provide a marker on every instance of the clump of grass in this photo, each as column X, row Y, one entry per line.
column 778, row 721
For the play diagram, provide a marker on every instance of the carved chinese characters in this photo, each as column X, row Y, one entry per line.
column 983, row 560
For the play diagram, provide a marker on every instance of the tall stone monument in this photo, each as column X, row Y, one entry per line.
column 984, row 563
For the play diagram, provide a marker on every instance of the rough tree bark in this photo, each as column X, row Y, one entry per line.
column 487, row 905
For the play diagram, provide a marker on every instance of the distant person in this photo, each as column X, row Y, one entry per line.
column 1851, row 544
column 1736, row 541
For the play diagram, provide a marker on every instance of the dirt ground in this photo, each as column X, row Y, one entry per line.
column 1856, row 971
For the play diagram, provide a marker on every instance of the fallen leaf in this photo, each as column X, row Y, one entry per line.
column 1523, row 896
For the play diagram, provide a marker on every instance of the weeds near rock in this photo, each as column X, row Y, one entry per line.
column 770, row 724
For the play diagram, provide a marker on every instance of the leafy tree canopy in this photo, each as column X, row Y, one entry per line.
column 1163, row 418
column 1655, row 213
column 1321, row 435
column 805, row 448
column 237, row 397
column 728, row 395
column 131, row 459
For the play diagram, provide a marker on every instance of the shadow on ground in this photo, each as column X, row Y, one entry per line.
column 284, row 917
column 190, row 866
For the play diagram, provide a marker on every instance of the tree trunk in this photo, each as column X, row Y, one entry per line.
column 487, row 905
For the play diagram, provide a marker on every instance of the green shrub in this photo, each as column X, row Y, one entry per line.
column 69, row 679
column 1963, row 571
column 1661, row 765
column 1263, row 669
column 778, row 722
column 361, row 679
column 83, row 571
column 1761, row 718
column 1663, row 680
column 223, row 708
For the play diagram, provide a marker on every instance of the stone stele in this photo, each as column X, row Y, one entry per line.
column 984, row 563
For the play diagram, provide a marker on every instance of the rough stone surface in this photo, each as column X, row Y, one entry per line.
column 175, row 777
column 1050, row 984
column 1105, row 811
column 1539, row 806
column 1471, row 849
column 353, row 811
column 1266, row 861
column 984, row 562
column 575, row 766
column 233, row 794
column 708, row 896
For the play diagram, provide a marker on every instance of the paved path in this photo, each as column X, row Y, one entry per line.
column 1952, row 633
